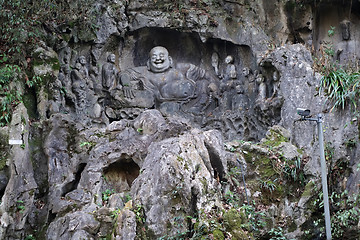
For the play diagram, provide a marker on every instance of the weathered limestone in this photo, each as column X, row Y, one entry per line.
column 18, row 199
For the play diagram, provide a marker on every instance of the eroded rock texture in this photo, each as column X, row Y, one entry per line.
column 136, row 127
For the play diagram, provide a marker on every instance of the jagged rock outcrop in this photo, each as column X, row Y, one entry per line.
column 167, row 176
column 18, row 196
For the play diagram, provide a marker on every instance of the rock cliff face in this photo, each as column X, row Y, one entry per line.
column 197, row 139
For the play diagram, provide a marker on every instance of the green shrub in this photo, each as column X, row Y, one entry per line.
column 341, row 87
column 106, row 194
column 345, row 213
column 9, row 97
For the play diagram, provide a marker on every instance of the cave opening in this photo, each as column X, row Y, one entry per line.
column 71, row 186
column 30, row 101
column 215, row 160
column 121, row 174
column 4, row 179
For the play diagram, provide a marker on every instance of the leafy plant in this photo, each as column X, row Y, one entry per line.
column 231, row 198
column 139, row 213
column 233, row 195
column 20, row 206
column 277, row 234
column 30, row 237
column 256, row 218
column 345, row 213
column 350, row 143
column 82, row 144
column 127, row 198
column 9, row 97
column 33, row 81
column 293, row 170
column 341, row 87
column 329, row 151
column 21, row 21
column 115, row 213
column 329, row 50
column 106, row 194
column 268, row 185
column 331, row 31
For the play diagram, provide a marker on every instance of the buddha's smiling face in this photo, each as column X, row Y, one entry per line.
column 159, row 59
column 111, row 58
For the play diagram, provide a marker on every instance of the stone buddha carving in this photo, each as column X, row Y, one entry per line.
column 166, row 82
column 168, row 87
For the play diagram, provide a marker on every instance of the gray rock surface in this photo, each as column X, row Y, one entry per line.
column 177, row 180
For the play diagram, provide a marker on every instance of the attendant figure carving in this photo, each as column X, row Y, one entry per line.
column 346, row 51
column 83, row 70
column 246, row 72
column 260, row 80
column 65, row 78
column 276, row 83
column 228, row 82
column 230, row 73
column 215, row 63
column 79, row 87
column 57, row 103
column 94, row 77
column 109, row 73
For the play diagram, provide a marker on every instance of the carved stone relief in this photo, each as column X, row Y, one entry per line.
column 214, row 89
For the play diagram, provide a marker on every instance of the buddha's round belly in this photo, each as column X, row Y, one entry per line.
column 177, row 90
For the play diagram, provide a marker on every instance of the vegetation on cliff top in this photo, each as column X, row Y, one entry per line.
column 22, row 25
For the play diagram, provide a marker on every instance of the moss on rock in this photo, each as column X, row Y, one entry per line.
column 239, row 235
column 275, row 136
column 2, row 163
column 218, row 235
column 309, row 189
column 233, row 222
column 234, row 219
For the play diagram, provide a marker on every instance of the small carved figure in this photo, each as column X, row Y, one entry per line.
column 239, row 100
column 276, row 82
column 83, row 70
column 64, row 77
column 262, row 88
column 230, row 74
column 94, row 78
column 345, row 30
column 230, row 68
column 269, row 100
column 79, row 87
column 57, row 102
column 228, row 83
column 215, row 63
column 109, row 73
column 246, row 72
column 65, row 55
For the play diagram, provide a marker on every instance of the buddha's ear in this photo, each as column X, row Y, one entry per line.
column 148, row 65
column 171, row 61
